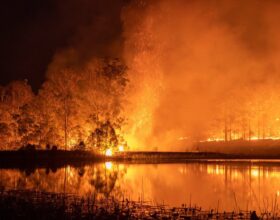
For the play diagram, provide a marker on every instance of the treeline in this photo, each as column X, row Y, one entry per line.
column 75, row 107
column 254, row 115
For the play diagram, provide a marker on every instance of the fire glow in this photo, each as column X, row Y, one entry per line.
column 109, row 152
column 121, row 148
column 217, row 80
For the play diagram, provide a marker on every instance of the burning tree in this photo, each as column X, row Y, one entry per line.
column 59, row 97
column 74, row 105
column 104, row 137
column 102, row 106
column 14, row 97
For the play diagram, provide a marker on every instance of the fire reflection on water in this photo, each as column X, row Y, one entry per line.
column 233, row 185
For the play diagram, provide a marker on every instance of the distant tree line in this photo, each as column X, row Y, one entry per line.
column 75, row 108
column 255, row 116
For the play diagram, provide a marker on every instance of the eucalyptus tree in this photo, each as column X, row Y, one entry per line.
column 14, row 96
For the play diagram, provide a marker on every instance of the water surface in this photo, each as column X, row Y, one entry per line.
column 226, row 186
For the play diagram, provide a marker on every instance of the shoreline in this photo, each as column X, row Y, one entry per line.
column 61, row 158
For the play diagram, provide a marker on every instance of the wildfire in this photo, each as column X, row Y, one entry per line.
column 109, row 152
column 253, row 138
column 121, row 148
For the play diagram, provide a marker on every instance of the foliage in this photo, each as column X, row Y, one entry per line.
column 76, row 108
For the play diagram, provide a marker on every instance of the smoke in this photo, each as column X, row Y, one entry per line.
column 192, row 65
column 191, row 62
column 94, row 29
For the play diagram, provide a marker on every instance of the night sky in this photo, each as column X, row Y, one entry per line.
column 33, row 31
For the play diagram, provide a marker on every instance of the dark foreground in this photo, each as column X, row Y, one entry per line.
column 60, row 158
column 43, row 205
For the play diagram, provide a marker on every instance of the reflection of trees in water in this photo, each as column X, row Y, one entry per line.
column 97, row 179
column 7, row 178
column 104, row 180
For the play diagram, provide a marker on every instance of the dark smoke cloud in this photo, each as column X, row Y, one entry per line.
column 97, row 31
column 33, row 32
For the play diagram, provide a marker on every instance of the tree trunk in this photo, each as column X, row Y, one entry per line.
column 65, row 125
column 226, row 129
column 249, row 130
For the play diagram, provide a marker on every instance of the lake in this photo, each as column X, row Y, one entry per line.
column 211, row 185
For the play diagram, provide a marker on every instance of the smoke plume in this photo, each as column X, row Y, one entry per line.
column 195, row 64
column 198, row 70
